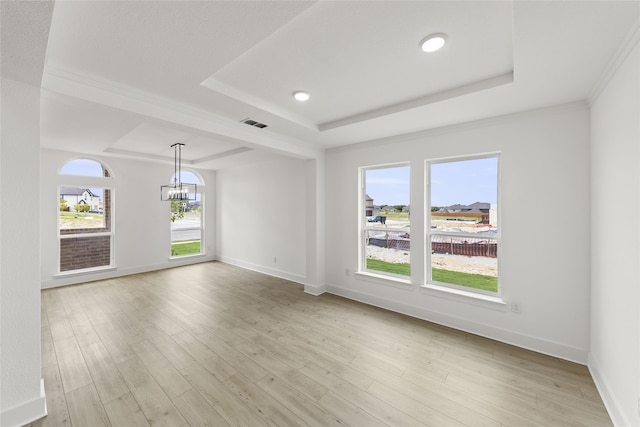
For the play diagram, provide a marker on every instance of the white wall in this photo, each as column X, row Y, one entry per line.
column 262, row 217
column 21, row 397
column 544, row 200
column 140, row 220
column 615, row 257
column 315, row 226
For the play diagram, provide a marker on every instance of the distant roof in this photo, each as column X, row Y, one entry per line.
column 75, row 191
column 473, row 207
column 457, row 206
column 480, row 205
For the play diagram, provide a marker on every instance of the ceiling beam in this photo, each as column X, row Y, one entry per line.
column 150, row 105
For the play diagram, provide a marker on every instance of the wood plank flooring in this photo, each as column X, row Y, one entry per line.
column 215, row 345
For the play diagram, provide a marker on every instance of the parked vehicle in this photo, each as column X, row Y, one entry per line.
column 378, row 218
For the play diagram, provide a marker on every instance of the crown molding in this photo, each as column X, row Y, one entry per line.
column 630, row 42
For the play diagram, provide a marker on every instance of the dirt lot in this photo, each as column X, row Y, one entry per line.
column 475, row 265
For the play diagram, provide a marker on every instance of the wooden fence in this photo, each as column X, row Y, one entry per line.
column 468, row 247
column 487, row 248
column 392, row 243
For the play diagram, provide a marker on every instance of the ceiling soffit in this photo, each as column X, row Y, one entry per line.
column 366, row 54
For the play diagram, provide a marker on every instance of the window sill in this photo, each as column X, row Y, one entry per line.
column 382, row 279
column 85, row 271
column 179, row 257
column 489, row 301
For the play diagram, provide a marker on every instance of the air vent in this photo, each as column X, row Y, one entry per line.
column 253, row 123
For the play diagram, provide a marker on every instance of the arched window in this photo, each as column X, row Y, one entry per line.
column 84, row 167
column 85, row 216
column 187, row 227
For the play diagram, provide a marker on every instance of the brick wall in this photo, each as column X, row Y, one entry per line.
column 84, row 252
column 77, row 253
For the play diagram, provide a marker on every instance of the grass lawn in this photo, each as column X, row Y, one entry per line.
column 476, row 281
column 81, row 220
column 188, row 247
column 396, row 216
column 388, row 267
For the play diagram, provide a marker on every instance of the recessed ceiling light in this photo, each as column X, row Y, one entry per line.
column 301, row 95
column 433, row 42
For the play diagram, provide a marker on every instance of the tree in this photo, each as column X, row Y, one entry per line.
column 63, row 205
column 177, row 210
column 81, row 207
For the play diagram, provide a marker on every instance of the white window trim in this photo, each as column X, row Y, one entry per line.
column 80, row 272
column 363, row 227
column 106, row 183
column 79, row 235
column 489, row 301
column 383, row 278
column 450, row 289
column 200, row 190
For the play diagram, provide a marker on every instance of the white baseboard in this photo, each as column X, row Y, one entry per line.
column 262, row 269
column 27, row 412
column 528, row 342
column 315, row 290
column 610, row 402
column 72, row 279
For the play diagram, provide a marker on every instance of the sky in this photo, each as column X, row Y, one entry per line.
column 87, row 167
column 388, row 186
column 462, row 182
column 84, row 167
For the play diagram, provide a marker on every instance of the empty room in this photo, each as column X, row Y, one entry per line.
column 291, row 213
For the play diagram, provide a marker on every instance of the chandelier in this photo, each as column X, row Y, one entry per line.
column 178, row 190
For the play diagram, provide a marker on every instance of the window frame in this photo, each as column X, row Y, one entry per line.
column 429, row 232
column 200, row 190
column 364, row 226
column 106, row 184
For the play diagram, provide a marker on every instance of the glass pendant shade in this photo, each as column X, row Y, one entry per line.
column 178, row 191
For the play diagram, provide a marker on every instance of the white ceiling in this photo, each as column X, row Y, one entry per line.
column 358, row 57
column 132, row 78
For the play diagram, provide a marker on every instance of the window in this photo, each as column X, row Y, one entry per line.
column 84, row 216
column 84, row 167
column 186, row 221
column 463, row 234
column 385, row 209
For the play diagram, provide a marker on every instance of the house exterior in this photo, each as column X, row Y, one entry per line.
column 368, row 205
column 474, row 207
column 79, row 196
column 477, row 212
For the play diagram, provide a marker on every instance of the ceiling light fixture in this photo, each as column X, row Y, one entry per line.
column 177, row 190
column 301, row 95
column 433, row 42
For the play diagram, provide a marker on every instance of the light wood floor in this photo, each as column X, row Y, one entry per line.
column 215, row 345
